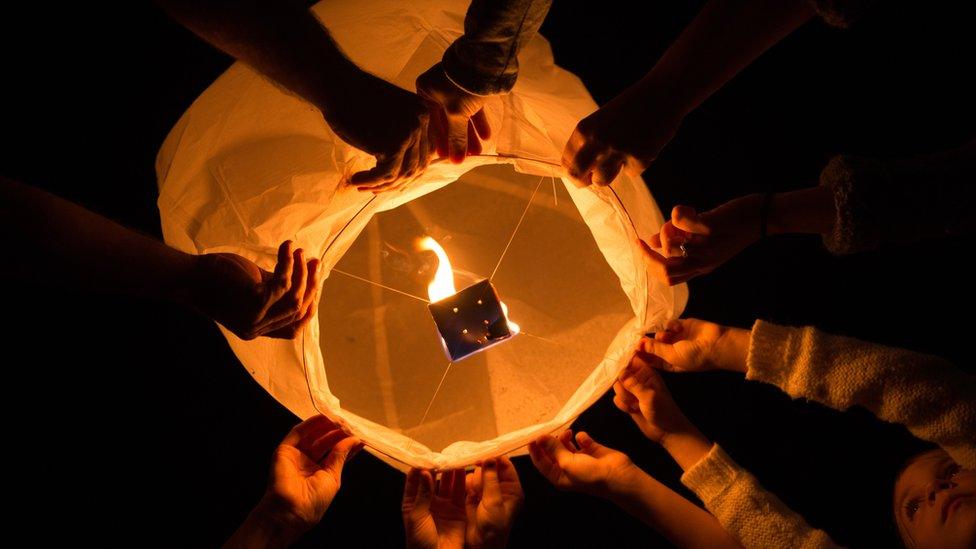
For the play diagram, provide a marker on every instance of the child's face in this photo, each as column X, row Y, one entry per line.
column 935, row 502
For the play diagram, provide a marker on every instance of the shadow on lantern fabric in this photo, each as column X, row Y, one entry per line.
column 248, row 166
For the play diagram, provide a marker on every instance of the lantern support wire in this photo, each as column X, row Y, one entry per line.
column 448, row 368
column 377, row 284
column 437, row 390
column 517, row 227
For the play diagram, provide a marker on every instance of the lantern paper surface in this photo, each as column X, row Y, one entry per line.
column 248, row 166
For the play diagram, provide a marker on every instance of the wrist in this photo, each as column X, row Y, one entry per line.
column 619, row 485
column 687, row 447
column 333, row 89
column 730, row 350
column 267, row 526
column 808, row 211
column 185, row 271
column 661, row 95
column 667, row 90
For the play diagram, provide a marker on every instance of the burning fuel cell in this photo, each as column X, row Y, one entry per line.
column 471, row 320
column 468, row 321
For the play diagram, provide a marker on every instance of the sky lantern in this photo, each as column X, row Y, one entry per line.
column 484, row 304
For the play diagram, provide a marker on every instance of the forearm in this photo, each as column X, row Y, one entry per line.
column 879, row 202
column 749, row 513
column 807, row 211
column 687, row 447
column 680, row 521
column 731, row 351
column 932, row 398
column 283, row 40
column 263, row 529
column 60, row 243
column 485, row 59
column 725, row 37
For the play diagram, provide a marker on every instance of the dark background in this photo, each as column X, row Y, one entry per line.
column 130, row 421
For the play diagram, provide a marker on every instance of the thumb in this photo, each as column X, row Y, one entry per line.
column 386, row 169
column 418, row 492
column 661, row 349
column 336, row 459
column 688, row 220
column 589, row 446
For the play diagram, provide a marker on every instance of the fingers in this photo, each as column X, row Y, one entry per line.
column 474, row 144
column 670, row 334
column 480, row 123
column 473, row 483
column 386, row 171
column 639, row 379
column 491, row 486
column 658, row 348
column 542, row 452
column 566, row 438
column 624, row 400
column 589, row 446
column 309, row 430
column 687, row 219
column 606, row 169
column 458, row 120
column 295, row 297
column 457, row 137
column 670, row 270
column 579, row 156
column 672, row 237
column 413, row 160
column 318, row 448
column 438, row 128
column 310, row 305
column 443, row 484
column 281, row 280
column 411, row 486
column 409, row 165
column 417, row 493
column 312, row 289
column 336, row 459
column 424, row 150
column 451, row 487
column 508, row 475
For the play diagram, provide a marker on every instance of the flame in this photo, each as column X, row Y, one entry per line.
column 512, row 327
column 443, row 284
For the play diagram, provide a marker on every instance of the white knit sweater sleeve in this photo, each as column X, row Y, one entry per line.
column 750, row 514
column 928, row 395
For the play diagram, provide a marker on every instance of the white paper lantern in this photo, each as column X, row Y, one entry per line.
column 248, row 166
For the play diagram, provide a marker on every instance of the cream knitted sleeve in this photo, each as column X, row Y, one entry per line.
column 750, row 514
column 927, row 394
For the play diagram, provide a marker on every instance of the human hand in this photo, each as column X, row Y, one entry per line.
column 434, row 520
column 457, row 118
column 385, row 121
column 589, row 467
column 494, row 498
column 306, row 472
column 709, row 239
column 251, row 302
column 628, row 132
column 693, row 345
column 641, row 393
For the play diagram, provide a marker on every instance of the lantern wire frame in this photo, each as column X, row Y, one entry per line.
column 554, row 173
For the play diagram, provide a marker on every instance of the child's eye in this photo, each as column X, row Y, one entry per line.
column 912, row 507
column 952, row 471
